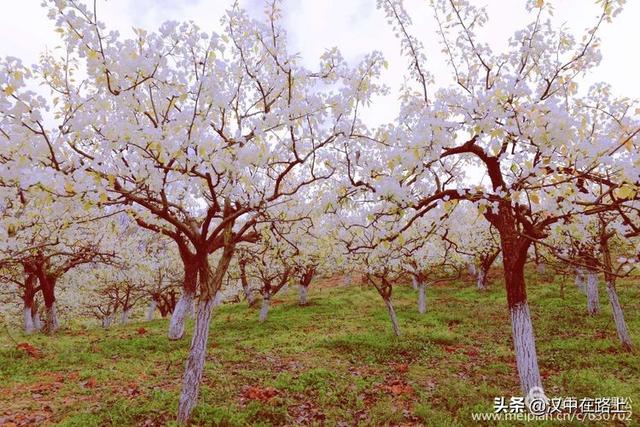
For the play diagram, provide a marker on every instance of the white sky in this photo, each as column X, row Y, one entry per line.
column 355, row 26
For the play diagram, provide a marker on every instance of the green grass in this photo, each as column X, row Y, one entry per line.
column 334, row 362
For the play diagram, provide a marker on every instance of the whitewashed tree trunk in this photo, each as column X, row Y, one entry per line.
column 593, row 303
column 51, row 322
column 124, row 316
column 151, row 310
column 471, row 268
column 37, row 323
column 541, row 268
column 217, row 300
column 618, row 317
column 392, row 315
column 347, row 280
column 176, row 325
column 251, row 299
column 481, row 283
column 524, row 344
column 264, row 310
column 302, row 297
column 195, row 361
column 106, row 321
column 29, row 326
column 422, row 298
column 580, row 280
column 414, row 283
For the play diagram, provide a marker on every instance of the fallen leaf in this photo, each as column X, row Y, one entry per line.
column 259, row 393
column 29, row 349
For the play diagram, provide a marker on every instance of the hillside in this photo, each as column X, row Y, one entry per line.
column 334, row 362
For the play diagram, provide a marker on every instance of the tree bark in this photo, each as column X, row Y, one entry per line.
column 151, row 310
column 251, row 299
column 618, row 316
column 185, row 304
column 124, row 316
column 422, row 298
column 29, row 326
column 48, row 285
column 209, row 287
column 514, row 255
column 481, row 283
column 264, row 310
column 593, row 301
column 347, row 280
column 616, row 308
column 28, row 297
column 581, row 280
column 106, row 321
column 392, row 315
column 246, row 288
column 176, row 324
column 37, row 323
column 525, row 347
column 303, row 291
column 195, row 361
column 414, row 283
column 471, row 269
column 217, row 300
column 51, row 322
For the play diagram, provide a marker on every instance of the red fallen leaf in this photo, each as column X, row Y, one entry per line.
column 397, row 387
column 29, row 349
column 259, row 393
column 141, row 331
column 472, row 352
column 90, row 383
column 402, row 368
column 132, row 390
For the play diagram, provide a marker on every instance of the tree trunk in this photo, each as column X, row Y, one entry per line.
column 422, row 298
column 29, row 326
column 124, row 316
column 481, row 283
column 580, row 280
column 618, row 316
column 514, row 257
column 106, row 321
column 195, row 361
column 303, row 295
column 392, row 315
column 217, row 300
column 176, row 325
column 541, row 268
column 37, row 323
column 251, row 299
column 209, row 287
column 151, row 311
column 48, row 285
column 264, row 310
column 471, row 269
column 593, row 303
column 28, row 297
column 51, row 322
column 414, row 283
column 525, row 347
column 347, row 280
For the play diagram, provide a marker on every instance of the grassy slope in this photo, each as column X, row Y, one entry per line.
column 334, row 361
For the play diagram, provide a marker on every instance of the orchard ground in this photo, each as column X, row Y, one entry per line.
column 334, row 361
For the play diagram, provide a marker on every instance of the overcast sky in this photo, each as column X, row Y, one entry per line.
column 355, row 26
